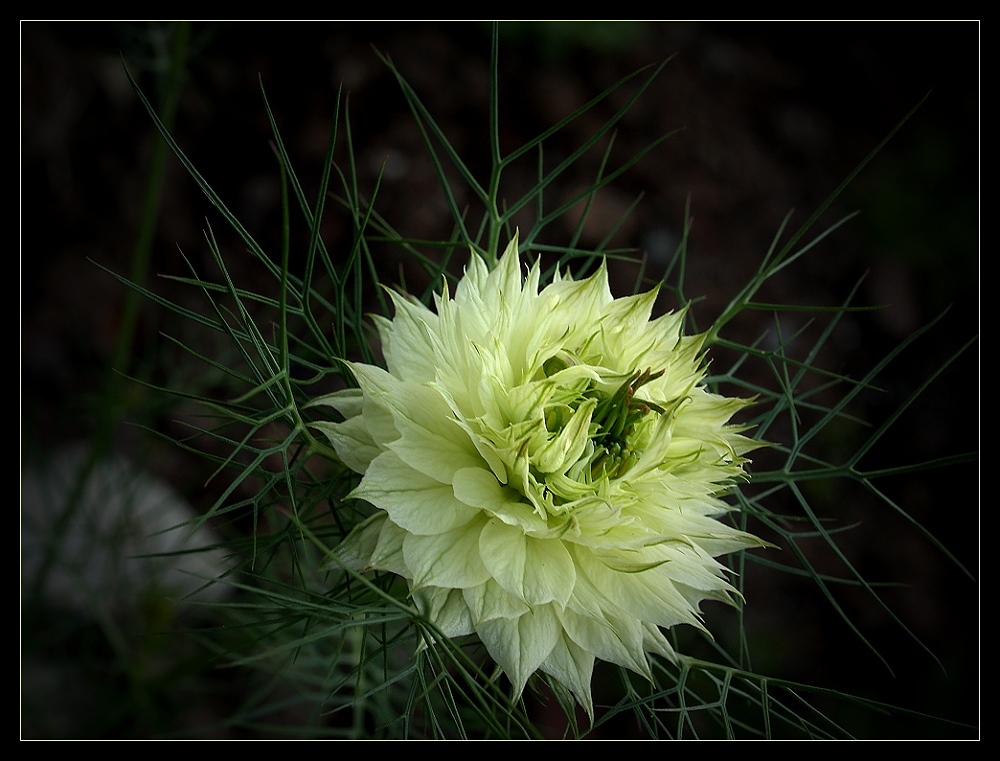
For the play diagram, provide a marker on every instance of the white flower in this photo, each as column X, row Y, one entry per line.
column 546, row 468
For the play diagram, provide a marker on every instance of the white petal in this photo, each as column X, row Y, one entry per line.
column 479, row 488
column 352, row 442
column 647, row 596
column 450, row 559
column 573, row 666
column 535, row 570
column 616, row 640
column 430, row 440
column 490, row 600
column 406, row 341
column 356, row 550
column 446, row 608
column 521, row 645
column 388, row 552
column 414, row 502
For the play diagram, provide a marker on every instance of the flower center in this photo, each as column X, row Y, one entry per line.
column 584, row 436
column 614, row 420
column 616, row 415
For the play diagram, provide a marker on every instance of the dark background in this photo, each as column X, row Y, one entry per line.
column 771, row 117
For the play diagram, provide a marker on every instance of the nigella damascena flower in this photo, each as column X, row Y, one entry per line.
column 546, row 468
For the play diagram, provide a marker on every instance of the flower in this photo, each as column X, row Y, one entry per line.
column 547, row 469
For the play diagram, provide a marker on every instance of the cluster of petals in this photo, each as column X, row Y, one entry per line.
column 547, row 470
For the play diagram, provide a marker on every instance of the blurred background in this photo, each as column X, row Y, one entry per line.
column 770, row 117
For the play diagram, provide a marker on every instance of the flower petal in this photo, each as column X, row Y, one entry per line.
column 490, row 600
column 415, row 502
column 573, row 666
column 446, row 608
column 451, row 559
column 521, row 645
column 479, row 488
column 534, row 570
